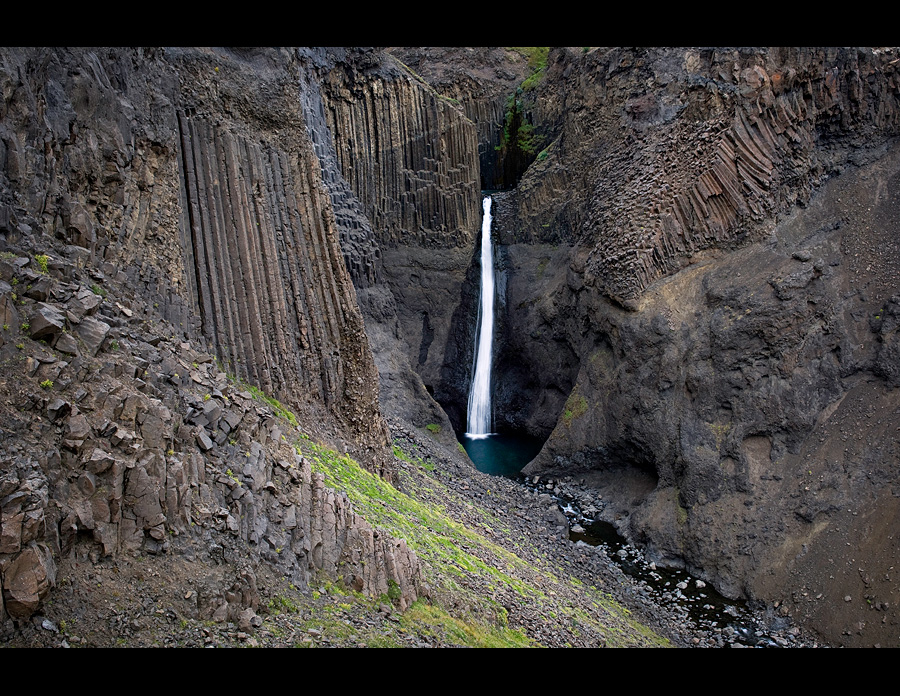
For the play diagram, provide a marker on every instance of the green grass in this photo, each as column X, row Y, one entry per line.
column 576, row 406
column 463, row 568
column 537, row 64
column 433, row 620
column 280, row 604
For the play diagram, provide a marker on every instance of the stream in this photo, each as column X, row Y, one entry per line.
column 704, row 613
column 697, row 604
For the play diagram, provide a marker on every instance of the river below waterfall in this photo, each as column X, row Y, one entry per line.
column 700, row 607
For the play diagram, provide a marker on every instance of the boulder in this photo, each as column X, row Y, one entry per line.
column 27, row 580
column 46, row 323
column 93, row 332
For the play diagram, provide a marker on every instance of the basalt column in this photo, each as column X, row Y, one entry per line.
column 275, row 299
column 411, row 159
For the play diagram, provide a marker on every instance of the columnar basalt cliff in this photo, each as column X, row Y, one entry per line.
column 416, row 179
column 481, row 81
column 170, row 251
column 711, row 272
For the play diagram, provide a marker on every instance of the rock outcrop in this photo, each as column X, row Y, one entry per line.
column 482, row 81
column 171, row 262
column 708, row 276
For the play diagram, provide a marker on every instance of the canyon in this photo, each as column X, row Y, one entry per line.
column 217, row 264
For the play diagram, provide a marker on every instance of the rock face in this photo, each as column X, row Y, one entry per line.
column 701, row 293
column 167, row 241
column 481, row 81
column 412, row 202
column 698, row 304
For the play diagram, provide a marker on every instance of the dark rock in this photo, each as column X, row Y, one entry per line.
column 66, row 343
column 58, row 408
column 46, row 323
column 93, row 332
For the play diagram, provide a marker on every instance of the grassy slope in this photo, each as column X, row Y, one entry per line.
column 474, row 581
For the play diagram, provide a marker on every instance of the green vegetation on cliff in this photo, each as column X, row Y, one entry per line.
column 537, row 63
column 518, row 133
column 476, row 584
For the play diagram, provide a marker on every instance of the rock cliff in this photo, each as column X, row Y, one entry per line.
column 415, row 183
column 697, row 281
column 707, row 260
column 171, row 266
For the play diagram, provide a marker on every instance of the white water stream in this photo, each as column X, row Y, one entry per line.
column 479, row 413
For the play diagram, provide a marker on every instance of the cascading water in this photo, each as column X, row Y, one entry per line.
column 492, row 453
column 479, row 413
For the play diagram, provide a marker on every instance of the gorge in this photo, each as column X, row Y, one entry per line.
column 226, row 273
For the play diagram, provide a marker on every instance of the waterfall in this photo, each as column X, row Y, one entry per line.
column 479, row 414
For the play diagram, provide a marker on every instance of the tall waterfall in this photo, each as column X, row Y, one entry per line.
column 479, row 415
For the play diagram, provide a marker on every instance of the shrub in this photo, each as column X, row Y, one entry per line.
column 42, row 260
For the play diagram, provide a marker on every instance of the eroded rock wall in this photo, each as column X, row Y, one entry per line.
column 168, row 242
column 664, row 153
column 718, row 261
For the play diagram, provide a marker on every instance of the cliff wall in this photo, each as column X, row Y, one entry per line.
column 416, row 181
column 481, row 81
column 168, row 250
column 707, row 259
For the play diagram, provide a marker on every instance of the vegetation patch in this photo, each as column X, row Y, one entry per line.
column 576, row 406
column 537, row 64
column 42, row 261
column 428, row 618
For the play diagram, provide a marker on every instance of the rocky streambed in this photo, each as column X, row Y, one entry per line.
column 562, row 518
column 691, row 605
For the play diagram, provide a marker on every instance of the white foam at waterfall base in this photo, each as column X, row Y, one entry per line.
column 479, row 412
